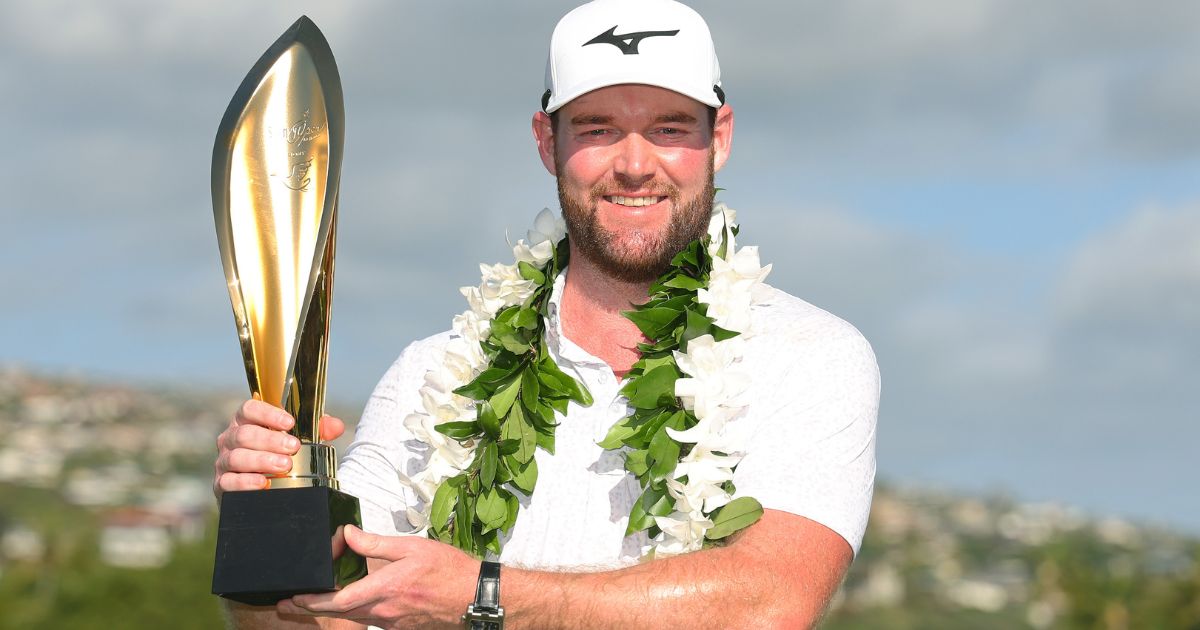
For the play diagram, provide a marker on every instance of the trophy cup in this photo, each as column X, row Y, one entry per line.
column 275, row 171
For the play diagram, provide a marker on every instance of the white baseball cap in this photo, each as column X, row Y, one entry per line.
column 649, row 42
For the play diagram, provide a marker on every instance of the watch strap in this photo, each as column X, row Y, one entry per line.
column 486, row 613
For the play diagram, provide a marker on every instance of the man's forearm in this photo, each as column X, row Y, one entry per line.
column 774, row 576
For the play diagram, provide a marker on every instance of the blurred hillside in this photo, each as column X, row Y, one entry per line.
column 106, row 520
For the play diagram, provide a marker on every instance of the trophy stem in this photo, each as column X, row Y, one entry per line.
column 314, row 465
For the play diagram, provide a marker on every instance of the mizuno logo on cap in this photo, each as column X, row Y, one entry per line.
column 628, row 43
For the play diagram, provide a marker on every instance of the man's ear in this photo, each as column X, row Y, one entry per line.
column 543, row 134
column 722, row 136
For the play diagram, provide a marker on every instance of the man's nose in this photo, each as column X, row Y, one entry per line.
column 635, row 162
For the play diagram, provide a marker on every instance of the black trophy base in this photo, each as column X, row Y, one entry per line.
column 272, row 544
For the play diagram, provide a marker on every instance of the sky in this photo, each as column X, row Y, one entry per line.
column 1002, row 195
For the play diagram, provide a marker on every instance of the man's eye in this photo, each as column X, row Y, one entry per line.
column 596, row 132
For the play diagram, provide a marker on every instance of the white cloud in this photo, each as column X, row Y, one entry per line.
column 1128, row 307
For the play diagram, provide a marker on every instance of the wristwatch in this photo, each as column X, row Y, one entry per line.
column 486, row 613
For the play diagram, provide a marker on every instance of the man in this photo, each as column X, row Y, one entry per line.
column 633, row 127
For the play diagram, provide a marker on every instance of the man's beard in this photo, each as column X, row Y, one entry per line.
column 637, row 256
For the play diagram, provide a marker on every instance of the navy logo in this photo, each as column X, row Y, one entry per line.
column 628, row 43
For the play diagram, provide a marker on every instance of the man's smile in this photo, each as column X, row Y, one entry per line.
column 634, row 202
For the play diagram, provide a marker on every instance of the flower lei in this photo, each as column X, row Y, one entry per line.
column 494, row 398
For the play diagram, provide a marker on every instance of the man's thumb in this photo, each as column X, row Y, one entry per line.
column 372, row 545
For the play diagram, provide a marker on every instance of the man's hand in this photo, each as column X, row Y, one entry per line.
column 255, row 446
column 414, row 582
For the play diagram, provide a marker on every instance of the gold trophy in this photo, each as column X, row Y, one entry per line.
column 276, row 165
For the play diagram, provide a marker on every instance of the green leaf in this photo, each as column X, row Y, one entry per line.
column 685, row 282
column 653, row 388
column 491, row 509
column 738, row 514
column 494, row 375
column 566, row 384
column 514, row 343
column 529, row 272
column 635, row 462
column 560, row 405
column 473, row 485
column 505, row 316
column 529, row 388
column 484, row 384
column 508, row 447
column 463, row 538
column 652, row 321
column 657, row 502
column 517, row 427
column 550, row 382
column 514, row 507
column 487, row 467
column 458, row 430
column 649, row 364
column 524, row 475
column 503, row 399
column 545, row 418
column 617, row 434
column 663, row 455
column 639, row 519
column 526, row 318
column 491, row 540
column 503, row 475
column 697, row 326
column 545, row 441
column 652, row 426
column 444, row 501
column 689, row 256
column 488, row 419
column 721, row 334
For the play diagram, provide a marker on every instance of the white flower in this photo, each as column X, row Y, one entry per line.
column 711, row 388
column 681, row 533
column 720, row 227
column 536, row 255
column 548, row 230
column 548, row 226
column 501, row 286
column 732, row 288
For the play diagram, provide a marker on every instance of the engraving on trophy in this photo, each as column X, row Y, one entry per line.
column 301, row 131
column 297, row 178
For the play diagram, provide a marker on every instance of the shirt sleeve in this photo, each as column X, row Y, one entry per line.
column 382, row 445
column 811, row 447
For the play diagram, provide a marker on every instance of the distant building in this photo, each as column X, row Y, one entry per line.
column 136, row 539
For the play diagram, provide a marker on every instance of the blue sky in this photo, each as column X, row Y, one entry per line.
column 1004, row 196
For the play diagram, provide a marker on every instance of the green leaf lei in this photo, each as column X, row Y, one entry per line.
column 520, row 390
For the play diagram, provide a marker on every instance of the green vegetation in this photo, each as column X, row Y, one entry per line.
column 69, row 587
column 930, row 561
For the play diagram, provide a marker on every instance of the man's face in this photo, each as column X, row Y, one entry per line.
column 635, row 167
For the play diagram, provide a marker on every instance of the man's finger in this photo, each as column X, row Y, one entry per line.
column 263, row 414
column 375, row 546
column 236, row 482
column 258, row 438
column 341, row 601
column 332, row 428
column 243, row 460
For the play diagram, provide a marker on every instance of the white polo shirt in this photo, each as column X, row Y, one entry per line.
column 811, row 446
